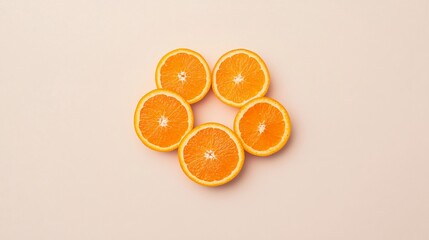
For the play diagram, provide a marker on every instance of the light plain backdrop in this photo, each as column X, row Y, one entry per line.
column 354, row 76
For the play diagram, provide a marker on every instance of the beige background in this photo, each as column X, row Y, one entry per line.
column 354, row 76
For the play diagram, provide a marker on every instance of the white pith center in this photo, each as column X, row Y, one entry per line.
column 261, row 127
column 209, row 154
column 238, row 79
column 181, row 76
column 163, row 121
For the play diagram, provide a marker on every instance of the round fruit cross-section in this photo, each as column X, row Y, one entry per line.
column 211, row 154
column 161, row 120
column 263, row 125
column 240, row 76
column 185, row 72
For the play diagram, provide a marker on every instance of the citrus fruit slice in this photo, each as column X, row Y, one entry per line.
column 240, row 76
column 211, row 154
column 263, row 125
column 185, row 72
column 161, row 120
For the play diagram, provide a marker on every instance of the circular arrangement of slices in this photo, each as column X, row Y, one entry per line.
column 212, row 154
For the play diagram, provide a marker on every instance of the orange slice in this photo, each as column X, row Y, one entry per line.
column 185, row 72
column 263, row 125
column 240, row 76
column 161, row 120
column 211, row 154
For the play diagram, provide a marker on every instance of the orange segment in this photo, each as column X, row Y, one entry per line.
column 185, row 72
column 263, row 125
column 161, row 120
column 240, row 76
column 211, row 154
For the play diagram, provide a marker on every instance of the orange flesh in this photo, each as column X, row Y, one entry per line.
column 195, row 75
column 262, row 113
column 250, row 70
column 150, row 114
column 224, row 149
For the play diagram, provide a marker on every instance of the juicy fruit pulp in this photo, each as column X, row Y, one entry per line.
column 211, row 154
column 240, row 76
column 263, row 125
column 185, row 72
column 162, row 118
